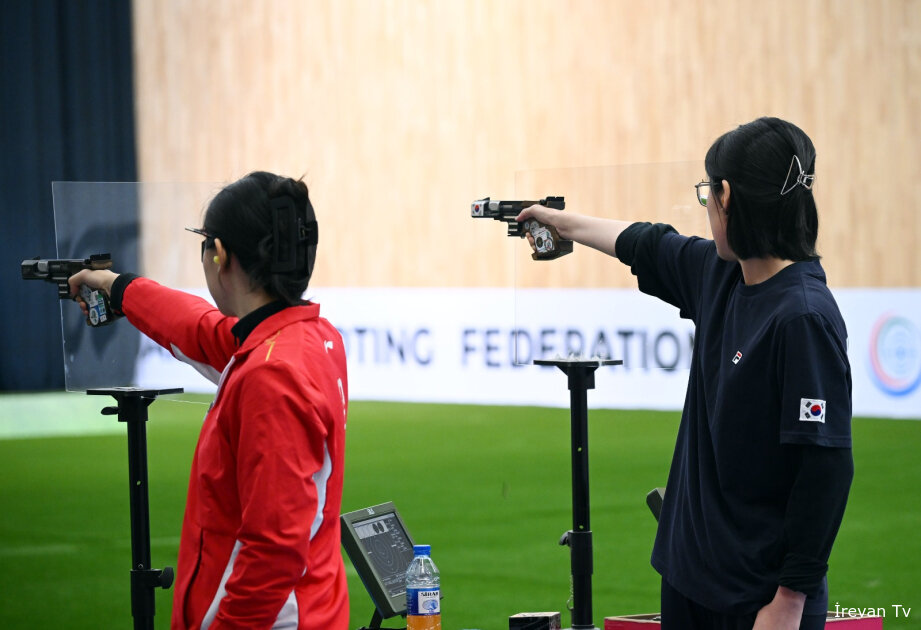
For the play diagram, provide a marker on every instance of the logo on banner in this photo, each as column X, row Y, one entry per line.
column 895, row 355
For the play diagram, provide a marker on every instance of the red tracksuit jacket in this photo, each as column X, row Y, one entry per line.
column 260, row 539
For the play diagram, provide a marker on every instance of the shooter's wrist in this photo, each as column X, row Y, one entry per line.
column 103, row 280
column 117, row 290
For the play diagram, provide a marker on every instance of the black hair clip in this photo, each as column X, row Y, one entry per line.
column 294, row 231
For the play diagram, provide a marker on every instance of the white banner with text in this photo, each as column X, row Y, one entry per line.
column 471, row 346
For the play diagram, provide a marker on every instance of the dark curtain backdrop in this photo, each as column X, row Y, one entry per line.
column 67, row 114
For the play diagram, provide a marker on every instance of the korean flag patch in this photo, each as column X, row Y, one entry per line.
column 812, row 410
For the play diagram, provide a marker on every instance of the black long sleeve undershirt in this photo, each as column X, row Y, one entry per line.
column 814, row 513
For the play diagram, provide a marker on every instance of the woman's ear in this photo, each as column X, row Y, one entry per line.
column 222, row 256
column 724, row 195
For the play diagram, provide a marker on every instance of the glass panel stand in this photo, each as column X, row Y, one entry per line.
column 132, row 410
column 581, row 376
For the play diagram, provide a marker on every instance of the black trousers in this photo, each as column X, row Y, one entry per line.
column 680, row 613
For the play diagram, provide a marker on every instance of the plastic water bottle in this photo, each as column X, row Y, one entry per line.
column 423, row 591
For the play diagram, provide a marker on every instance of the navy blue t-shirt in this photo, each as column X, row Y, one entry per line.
column 769, row 369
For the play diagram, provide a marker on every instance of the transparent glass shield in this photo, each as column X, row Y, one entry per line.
column 122, row 219
column 585, row 304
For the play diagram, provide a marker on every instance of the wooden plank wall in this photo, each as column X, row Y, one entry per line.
column 399, row 113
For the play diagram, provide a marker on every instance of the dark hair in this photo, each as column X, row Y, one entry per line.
column 755, row 159
column 244, row 216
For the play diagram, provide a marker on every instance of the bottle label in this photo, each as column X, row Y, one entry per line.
column 423, row 601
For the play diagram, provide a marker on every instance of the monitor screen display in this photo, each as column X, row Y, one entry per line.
column 380, row 547
column 388, row 548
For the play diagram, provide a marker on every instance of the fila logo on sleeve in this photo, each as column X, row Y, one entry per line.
column 812, row 410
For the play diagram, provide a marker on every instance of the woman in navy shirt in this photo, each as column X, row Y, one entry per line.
column 762, row 465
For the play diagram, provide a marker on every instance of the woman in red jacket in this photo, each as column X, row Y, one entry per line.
column 260, row 538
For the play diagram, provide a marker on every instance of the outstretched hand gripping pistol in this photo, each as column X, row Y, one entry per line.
column 547, row 242
column 60, row 271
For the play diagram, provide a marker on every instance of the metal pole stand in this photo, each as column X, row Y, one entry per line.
column 581, row 373
column 376, row 620
column 132, row 410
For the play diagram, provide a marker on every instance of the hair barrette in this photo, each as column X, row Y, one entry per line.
column 804, row 180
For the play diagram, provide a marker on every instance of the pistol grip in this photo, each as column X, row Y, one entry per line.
column 547, row 242
column 97, row 304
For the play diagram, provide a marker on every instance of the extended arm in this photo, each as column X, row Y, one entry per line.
column 594, row 232
column 193, row 330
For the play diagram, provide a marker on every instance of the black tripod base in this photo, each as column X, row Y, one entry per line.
column 376, row 620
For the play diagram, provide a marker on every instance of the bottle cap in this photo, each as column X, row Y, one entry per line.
column 422, row 550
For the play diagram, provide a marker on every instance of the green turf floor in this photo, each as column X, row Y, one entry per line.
column 487, row 487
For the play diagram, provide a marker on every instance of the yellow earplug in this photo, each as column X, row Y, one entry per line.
column 217, row 260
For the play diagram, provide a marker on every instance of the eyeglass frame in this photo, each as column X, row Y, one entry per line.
column 706, row 182
column 208, row 243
